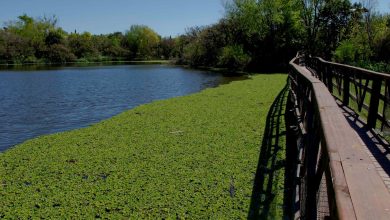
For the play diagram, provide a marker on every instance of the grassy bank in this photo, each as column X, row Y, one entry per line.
column 189, row 157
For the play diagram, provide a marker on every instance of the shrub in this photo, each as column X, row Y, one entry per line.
column 58, row 53
column 234, row 57
column 346, row 52
column 194, row 54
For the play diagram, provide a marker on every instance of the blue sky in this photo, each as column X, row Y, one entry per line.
column 167, row 17
column 381, row 5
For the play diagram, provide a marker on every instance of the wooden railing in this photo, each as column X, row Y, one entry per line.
column 365, row 91
column 336, row 178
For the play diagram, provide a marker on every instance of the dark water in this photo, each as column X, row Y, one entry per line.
column 38, row 102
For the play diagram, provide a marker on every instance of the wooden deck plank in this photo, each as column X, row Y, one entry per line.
column 369, row 194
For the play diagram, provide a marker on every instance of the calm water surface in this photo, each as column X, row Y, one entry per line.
column 38, row 102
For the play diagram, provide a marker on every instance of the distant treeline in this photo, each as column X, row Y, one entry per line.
column 30, row 40
column 253, row 35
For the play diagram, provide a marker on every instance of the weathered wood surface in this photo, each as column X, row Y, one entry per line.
column 376, row 147
column 359, row 191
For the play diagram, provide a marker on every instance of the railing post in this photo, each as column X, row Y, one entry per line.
column 346, row 82
column 322, row 70
column 329, row 78
column 374, row 103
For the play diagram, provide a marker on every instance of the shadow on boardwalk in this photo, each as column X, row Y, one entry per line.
column 377, row 146
column 269, row 197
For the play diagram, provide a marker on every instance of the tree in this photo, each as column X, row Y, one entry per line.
column 59, row 53
column 310, row 13
column 335, row 18
column 82, row 45
column 183, row 41
column 383, row 44
column 234, row 58
column 33, row 31
column 54, row 37
column 167, row 47
column 271, row 30
column 369, row 12
column 15, row 49
column 142, row 42
column 113, row 46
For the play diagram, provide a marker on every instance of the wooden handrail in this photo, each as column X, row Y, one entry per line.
column 337, row 178
column 345, row 82
column 364, row 71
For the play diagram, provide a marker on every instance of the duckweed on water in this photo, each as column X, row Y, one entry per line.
column 188, row 157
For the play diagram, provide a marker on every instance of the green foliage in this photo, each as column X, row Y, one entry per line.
column 348, row 52
column 234, row 57
column 16, row 49
column 35, row 40
column 111, row 46
column 167, row 46
column 203, row 46
column 59, row 53
column 381, row 37
column 383, row 67
column 82, row 45
column 383, row 48
column 24, row 40
column 327, row 23
column 193, row 53
column 247, row 15
column 142, row 42
column 334, row 19
column 187, row 157
column 367, row 45
column 33, row 32
column 268, row 32
column 54, row 37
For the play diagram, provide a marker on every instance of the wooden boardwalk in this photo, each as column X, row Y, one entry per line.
column 343, row 165
column 377, row 148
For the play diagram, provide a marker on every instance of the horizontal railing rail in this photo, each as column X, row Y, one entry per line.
column 336, row 178
column 365, row 91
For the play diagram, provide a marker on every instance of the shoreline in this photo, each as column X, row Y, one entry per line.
column 87, row 63
column 190, row 156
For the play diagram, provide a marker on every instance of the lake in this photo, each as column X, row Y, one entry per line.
column 50, row 100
